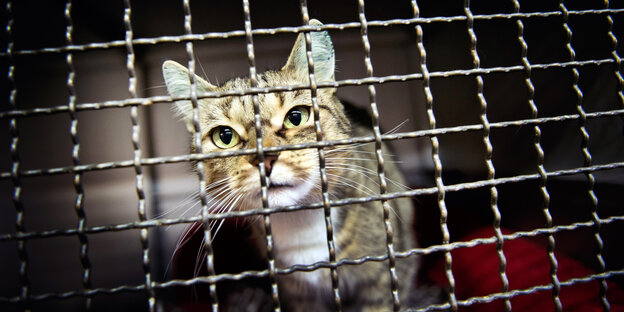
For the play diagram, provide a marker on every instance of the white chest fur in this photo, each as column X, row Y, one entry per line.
column 300, row 238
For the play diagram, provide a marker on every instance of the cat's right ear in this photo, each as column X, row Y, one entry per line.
column 178, row 81
column 322, row 55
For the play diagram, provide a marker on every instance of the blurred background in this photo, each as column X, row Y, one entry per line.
column 105, row 134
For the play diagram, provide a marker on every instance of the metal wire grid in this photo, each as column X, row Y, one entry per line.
column 540, row 162
column 323, row 172
column 253, row 82
column 138, row 170
column 200, row 166
column 21, row 236
column 79, row 206
column 488, row 155
column 435, row 149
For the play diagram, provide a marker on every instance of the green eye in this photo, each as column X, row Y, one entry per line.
column 296, row 117
column 224, row 137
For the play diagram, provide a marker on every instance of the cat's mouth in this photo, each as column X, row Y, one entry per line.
column 286, row 191
column 275, row 186
column 283, row 193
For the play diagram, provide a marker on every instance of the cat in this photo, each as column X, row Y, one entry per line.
column 299, row 237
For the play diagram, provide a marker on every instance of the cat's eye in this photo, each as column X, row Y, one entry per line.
column 296, row 117
column 224, row 137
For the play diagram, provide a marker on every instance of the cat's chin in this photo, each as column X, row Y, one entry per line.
column 288, row 195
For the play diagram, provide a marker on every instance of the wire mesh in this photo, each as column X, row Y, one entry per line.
column 323, row 172
column 488, row 155
column 22, row 296
column 84, row 242
column 540, row 163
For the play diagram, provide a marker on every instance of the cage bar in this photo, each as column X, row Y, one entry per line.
column 138, row 169
column 488, row 155
column 79, row 203
column 540, row 163
column 383, row 186
column 335, row 282
column 197, row 140
column 587, row 161
column 435, row 146
column 253, row 81
column 15, row 164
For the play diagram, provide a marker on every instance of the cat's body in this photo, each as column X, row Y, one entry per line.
column 294, row 178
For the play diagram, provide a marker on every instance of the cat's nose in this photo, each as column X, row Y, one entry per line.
column 269, row 161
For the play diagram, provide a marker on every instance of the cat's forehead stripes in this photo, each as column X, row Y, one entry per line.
column 273, row 105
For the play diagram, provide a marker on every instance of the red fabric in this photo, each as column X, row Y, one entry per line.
column 475, row 271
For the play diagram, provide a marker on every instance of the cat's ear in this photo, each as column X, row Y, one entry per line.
column 322, row 55
column 178, row 81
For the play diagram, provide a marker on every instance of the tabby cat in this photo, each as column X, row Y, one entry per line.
column 299, row 237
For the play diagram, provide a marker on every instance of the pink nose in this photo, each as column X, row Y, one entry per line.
column 269, row 161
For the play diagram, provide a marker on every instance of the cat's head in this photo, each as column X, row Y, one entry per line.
column 227, row 123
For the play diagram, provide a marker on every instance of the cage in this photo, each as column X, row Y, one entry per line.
column 511, row 138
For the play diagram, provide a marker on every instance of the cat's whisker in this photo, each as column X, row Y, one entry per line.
column 201, row 67
column 342, row 148
column 385, row 155
column 363, row 159
column 214, row 233
column 226, row 203
column 217, row 183
column 314, row 156
column 212, row 187
column 210, row 203
column 361, row 148
column 397, row 127
column 356, row 185
column 363, row 173
column 218, row 198
column 366, row 171
column 191, row 198
column 219, row 204
column 183, row 203
column 155, row 87
column 186, row 211
column 191, row 207
column 395, row 212
column 213, row 198
column 219, row 187
column 332, row 164
column 226, row 208
column 366, row 190
column 199, row 260
column 334, row 178
column 340, row 179
column 354, row 147
column 355, row 152
column 186, row 236
column 317, row 186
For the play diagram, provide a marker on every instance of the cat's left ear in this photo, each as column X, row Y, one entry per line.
column 178, row 81
column 322, row 55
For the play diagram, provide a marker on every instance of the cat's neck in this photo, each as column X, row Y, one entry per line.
column 300, row 238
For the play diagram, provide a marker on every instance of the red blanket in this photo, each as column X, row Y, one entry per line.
column 475, row 271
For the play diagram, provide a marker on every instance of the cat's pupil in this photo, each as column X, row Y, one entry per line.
column 295, row 117
column 226, row 135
